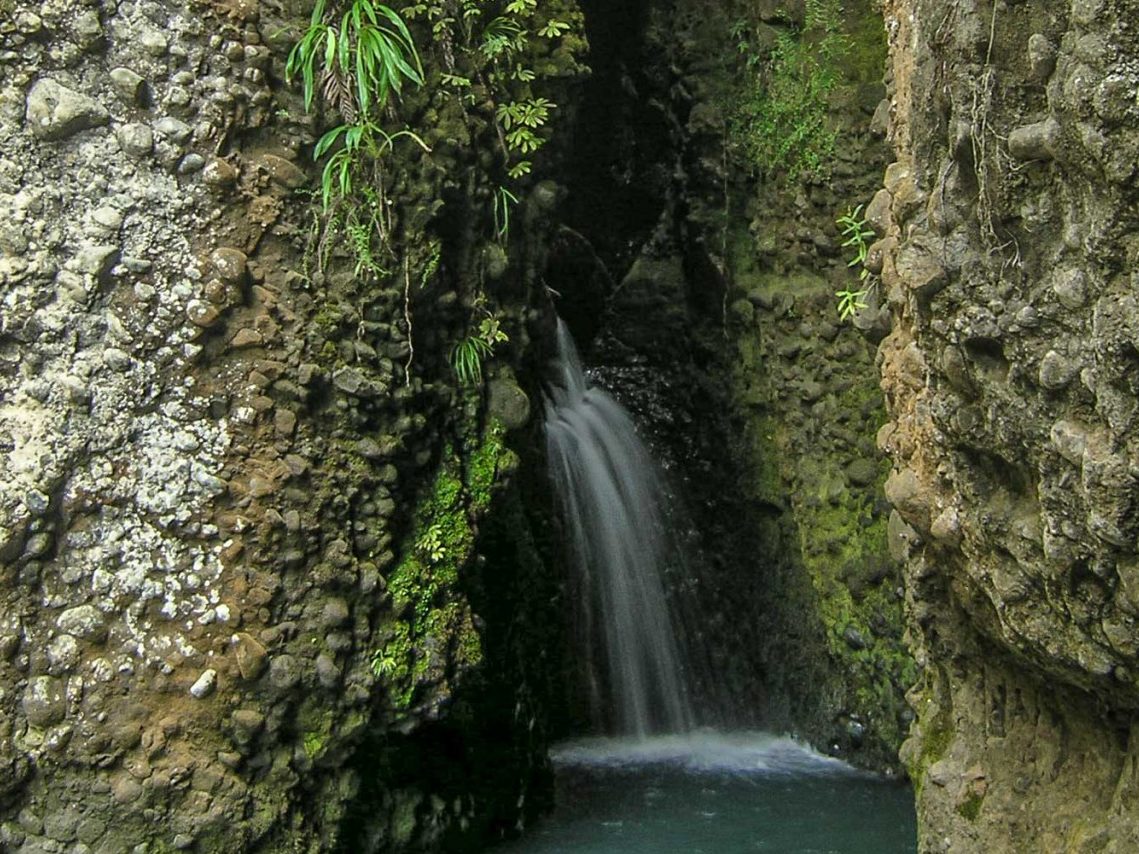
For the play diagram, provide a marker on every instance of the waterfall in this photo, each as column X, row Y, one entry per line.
column 614, row 505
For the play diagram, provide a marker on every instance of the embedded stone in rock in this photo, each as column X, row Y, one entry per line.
column 107, row 218
column 508, row 403
column 1041, row 56
column 204, row 685
column 335, row 613
column 900, row 537
column 202, row 313
column 230, row 264
column 1036, row 141
column 128, row 85
column 83, row 621
column 175, row 130
column 327, row 671
column 1056, row 371
column 497, row 261
column 283, row 173
column 136, row 139
column 250, row 654
column 246, row 337
column 1070, row 287
column 904, row 491
column 44, row 704
column 878, row 212
column 284, row 671
column 62, row 654
column 348, row 380
column 97, row 260
column 218, row 173
column 55, row 112
column 862, row 472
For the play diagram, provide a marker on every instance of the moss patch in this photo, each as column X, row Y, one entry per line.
column 430, row 633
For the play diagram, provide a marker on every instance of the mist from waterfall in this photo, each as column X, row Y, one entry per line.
column 614, row 506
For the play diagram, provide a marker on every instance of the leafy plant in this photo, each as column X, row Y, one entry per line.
column 467, row 356
column 858, row 234
column 371, row 49
column 362, row 138
column 431, row 544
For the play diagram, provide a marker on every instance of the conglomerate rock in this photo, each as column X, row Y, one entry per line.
column 212, row 452
column 1010, row 255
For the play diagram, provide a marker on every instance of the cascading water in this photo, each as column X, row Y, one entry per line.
column 661, row 784
column 613, row 500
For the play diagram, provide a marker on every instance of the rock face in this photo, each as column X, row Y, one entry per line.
column 226, row 617
column 1012, row 377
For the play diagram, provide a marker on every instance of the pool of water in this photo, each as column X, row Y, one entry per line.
column 712, row 793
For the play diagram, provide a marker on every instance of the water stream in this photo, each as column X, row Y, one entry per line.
column 657, row 783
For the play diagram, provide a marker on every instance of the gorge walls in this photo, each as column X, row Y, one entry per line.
column 1010, row 244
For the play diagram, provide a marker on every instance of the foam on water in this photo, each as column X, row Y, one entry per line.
column 704, row 751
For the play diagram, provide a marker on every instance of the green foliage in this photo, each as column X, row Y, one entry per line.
column 781, row 122
column 365, row 138
column 467, row 356
column 369, row 56
column 858, row 235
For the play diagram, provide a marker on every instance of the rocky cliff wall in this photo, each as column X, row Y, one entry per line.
column 1010, row 244
column 247, row 580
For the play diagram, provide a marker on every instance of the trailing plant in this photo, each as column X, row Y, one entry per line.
column 781, row 123
column 858, row 234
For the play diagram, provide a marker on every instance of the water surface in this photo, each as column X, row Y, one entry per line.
column 712, row 793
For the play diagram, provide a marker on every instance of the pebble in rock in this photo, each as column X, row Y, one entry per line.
column 204, row 685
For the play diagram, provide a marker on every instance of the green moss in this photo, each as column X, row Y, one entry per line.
column 428, row 615
column 315, row 722
column 970, row 808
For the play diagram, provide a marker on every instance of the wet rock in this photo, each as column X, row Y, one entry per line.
column 55, row 112
column 508, row 402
